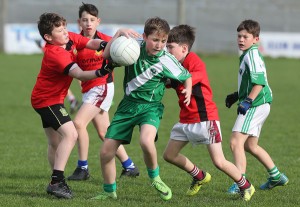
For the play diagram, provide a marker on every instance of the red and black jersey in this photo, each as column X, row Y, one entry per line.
column 92, row 60
column 202, row 106
column 53, row 81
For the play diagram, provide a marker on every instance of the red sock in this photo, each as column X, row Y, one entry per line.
column 243, row 183
column 196, row 173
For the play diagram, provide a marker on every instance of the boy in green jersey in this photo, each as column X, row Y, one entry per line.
column 144, row 86
column 254, row 96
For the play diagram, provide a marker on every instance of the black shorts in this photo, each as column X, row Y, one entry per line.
column 53, row 116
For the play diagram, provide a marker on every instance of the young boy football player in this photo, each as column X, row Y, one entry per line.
column 254, row 96
column 199, row 122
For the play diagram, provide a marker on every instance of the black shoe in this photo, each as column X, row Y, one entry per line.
column 130, row 172
column 80, row 174
column 60, row 190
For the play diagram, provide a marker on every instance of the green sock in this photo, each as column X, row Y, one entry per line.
column 109, row 188
column 153, row 173
column 274, row 173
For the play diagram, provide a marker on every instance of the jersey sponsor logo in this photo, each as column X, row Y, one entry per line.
column 63, row 111
column 91, row 60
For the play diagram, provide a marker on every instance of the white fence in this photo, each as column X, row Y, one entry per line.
column 215, row 21
column 24, row 39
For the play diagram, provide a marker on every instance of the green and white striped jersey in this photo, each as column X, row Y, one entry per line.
column 145, row 80
column 253, row 72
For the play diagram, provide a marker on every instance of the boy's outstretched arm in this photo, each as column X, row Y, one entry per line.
column 187, row 90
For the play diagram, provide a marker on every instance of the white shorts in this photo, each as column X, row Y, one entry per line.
column 206, row 132
column 100, row 96
column 252, row 122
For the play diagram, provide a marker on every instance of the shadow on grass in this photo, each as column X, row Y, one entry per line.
column 21, row 175
column 13, row 191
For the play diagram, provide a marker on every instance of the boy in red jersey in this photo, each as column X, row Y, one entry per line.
column 97, row 97
column 199, row 121
column 70, row 95
column 57, row 72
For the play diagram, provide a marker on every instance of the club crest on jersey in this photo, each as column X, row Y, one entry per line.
column 240, row 71
column 74, row 51
column 153, row 71
column 63, row 111
column 98, row 53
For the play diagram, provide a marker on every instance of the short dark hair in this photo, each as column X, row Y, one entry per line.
column 48, row 21
column 182, row 34
column 156, row 24
column 250, row 26
column 89, row 8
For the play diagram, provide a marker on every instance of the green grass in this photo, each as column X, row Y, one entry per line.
column 25, row 173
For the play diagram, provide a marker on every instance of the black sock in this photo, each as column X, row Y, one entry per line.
column 57, row 176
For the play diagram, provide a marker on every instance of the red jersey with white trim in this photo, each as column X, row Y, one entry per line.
column 202, row 106
column 53, row 81
column 92, row 60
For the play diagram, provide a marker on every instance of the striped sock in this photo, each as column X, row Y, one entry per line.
column 274, row 173
column 196, row 173
column 243, row 183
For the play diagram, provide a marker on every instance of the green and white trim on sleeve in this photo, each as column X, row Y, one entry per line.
column 145, row 80
column 253, row 72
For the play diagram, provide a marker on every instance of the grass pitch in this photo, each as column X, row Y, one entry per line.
column 25, row 173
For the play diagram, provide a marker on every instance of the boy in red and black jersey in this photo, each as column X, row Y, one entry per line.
column 57, row 72
column 199, row 121
column 97, row 97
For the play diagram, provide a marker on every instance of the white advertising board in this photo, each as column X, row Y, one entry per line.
column 25, row 38
column 279, row 44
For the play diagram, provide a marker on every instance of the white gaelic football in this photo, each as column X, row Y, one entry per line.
column 124, row 51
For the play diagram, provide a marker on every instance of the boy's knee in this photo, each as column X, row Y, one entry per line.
column 247, row 148
column 219, row 162
column 101, row 135
column 251, row 145
column 147, row 146
column 232, row 144
column 74, row 137
column 250, row 148
column 167, row 157
column 104, row 154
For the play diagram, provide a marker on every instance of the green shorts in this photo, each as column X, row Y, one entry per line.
column 129, row 114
